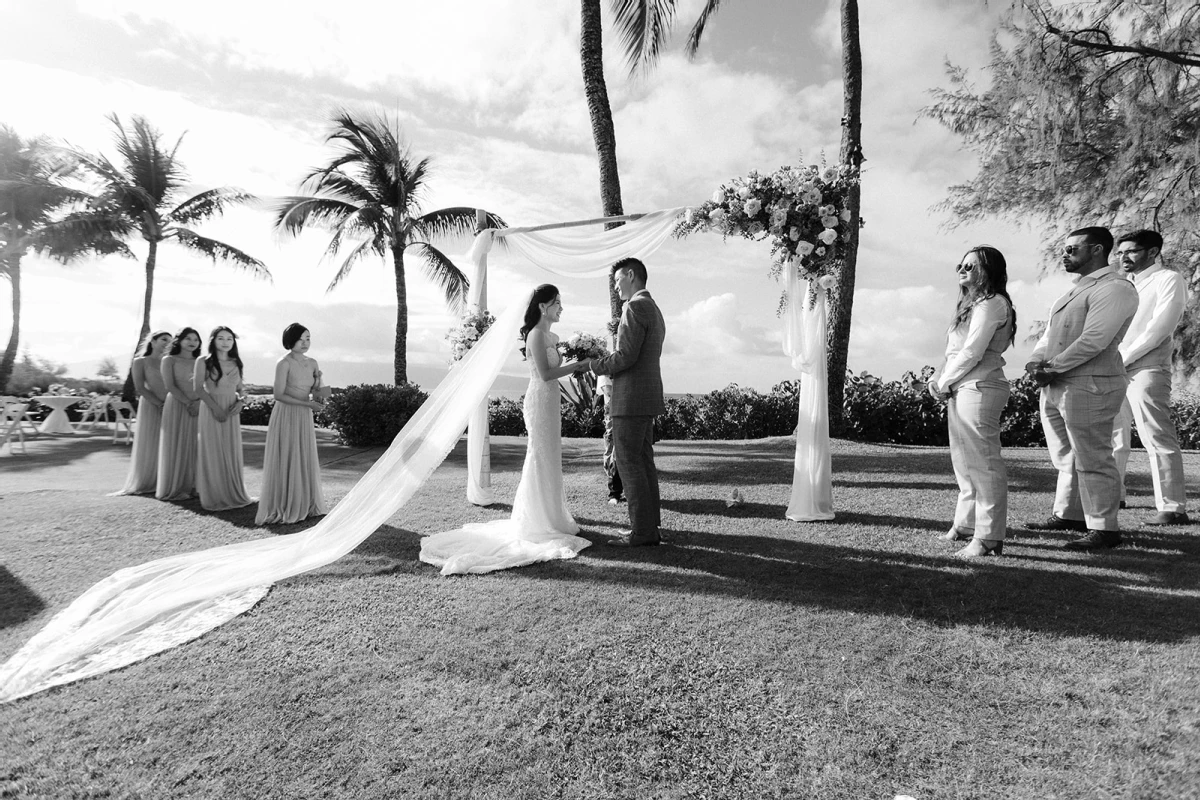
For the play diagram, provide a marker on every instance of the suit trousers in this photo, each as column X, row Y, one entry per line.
column 616, row 491
column 1077, row 417
column 973, row 418
column 1148, row 404
column 633, row 438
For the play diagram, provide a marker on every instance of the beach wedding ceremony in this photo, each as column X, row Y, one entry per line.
column 602, row 399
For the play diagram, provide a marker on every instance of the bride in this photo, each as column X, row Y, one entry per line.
column 540, row 527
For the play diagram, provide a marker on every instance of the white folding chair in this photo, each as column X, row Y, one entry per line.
column 96, row 412
column 11, row 415
column 29, row 425
column 125, row 417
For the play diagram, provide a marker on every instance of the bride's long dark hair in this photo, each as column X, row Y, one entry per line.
column 533, row 314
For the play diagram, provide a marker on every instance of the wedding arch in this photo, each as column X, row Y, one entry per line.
column 142, row 610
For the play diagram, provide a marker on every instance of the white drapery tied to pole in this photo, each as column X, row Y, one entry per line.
column 804, row 341
column 562, row 248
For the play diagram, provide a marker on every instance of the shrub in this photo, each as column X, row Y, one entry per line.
column 1185, row 410
column 1021, row 422
column 366, row 415
column 896, row 412
column 680, row 420
column 257, row 410
column 506, row 417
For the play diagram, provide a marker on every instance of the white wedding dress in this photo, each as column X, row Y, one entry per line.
column 540, row 527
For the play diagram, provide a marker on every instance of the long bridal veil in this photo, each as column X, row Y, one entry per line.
column 137, row 612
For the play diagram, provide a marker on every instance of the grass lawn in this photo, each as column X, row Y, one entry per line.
column 749, row 657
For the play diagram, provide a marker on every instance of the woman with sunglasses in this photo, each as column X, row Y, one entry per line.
column 972, row 383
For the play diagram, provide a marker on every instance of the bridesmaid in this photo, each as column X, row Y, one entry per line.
column 217, row 379
column 177, row 444
column 148, row 381
column 291, row 488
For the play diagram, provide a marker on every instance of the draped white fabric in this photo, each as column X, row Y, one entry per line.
column 143, row 610
column 479, row 453
column 804, row 341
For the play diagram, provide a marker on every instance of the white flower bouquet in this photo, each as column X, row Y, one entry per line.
column 462, row 338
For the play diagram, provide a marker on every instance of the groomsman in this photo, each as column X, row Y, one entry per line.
column 1146, row 351
column 1082, row 376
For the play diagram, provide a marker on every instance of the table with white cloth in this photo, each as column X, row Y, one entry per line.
column 57, row 422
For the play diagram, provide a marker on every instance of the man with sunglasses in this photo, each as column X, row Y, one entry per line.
column 1146, row 351
column 1082, row 376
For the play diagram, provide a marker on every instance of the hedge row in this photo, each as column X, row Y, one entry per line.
column 895, row 412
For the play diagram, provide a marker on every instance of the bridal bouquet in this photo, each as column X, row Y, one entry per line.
column 803, row 210
column 462, row 338
column 578, row 347
column 582, row 345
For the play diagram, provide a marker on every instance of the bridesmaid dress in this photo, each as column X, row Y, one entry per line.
column 143, row 469
column 219, row 456
column 177, row 442
column 291, row 487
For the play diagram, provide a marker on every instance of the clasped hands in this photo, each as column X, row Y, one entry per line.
column 583, row 366
column 1038, row 372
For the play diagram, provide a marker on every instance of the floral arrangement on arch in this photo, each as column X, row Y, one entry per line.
column 803, row 209
column 469, row 330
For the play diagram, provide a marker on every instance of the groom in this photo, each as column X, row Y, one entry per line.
column 637, row 398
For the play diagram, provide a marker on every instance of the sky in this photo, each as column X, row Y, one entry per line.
column 491, row 91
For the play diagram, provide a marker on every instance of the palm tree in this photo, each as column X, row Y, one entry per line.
column 644, row 26
column 371, row 191
column 136, row 197
column 29, row 196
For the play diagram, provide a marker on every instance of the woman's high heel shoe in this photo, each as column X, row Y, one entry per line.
column 981, row 547
column 954, row 535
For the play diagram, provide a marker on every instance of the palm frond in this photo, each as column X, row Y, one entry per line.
column 149, row 167
column 442, row 271
column 207, row 205
column 84, row 233
column 331, row 182
column 366, row 222
column 455, row 222
column 355, row 255
column 219, row 251
column 697, row 32
column 643, row 27
column 294, row 214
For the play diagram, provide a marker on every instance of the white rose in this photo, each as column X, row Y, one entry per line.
column 752, row 206
column 803, row 248
column 828, row 236
column 757, row 228
column 779, row 216
column 812, row 197
column 829, row 222
column 830, row 174
column 689, row 217
column 826, row 281
column 820, row 251
column 717, row 214
column 744, row 192
column 794, row 234
column 719, row 196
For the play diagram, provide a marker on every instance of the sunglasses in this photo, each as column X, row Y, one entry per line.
column 962, row 269
column 1072, row 249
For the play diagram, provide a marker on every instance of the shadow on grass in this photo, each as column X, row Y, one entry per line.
column 999, row 592
column 20, row 602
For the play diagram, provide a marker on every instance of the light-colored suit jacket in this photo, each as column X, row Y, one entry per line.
column 634, row 365
column 1087, row 325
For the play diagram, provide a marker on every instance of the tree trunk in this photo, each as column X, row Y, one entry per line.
column 841, row 300
column 128, row 394
column 400, row 362
column 14, row 338
column 591, row 54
